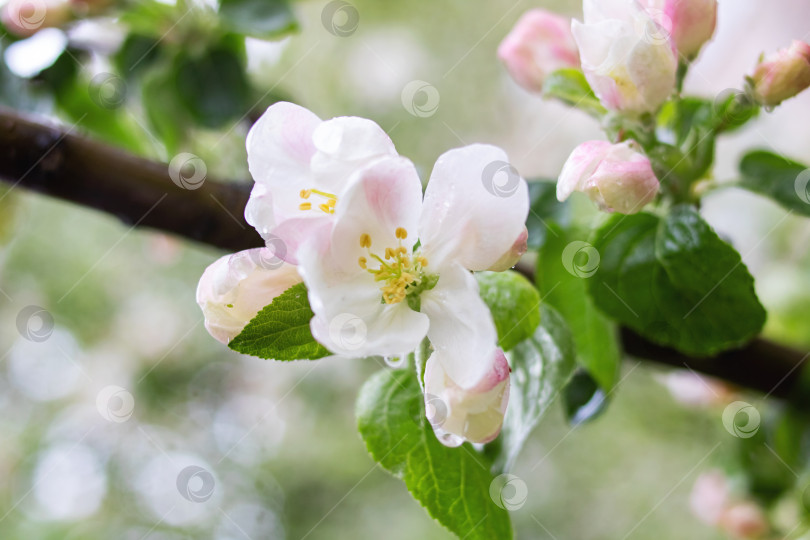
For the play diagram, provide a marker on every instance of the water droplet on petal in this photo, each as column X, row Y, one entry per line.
column 448, row 439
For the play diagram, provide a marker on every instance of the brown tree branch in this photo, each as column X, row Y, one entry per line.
column 53, row 161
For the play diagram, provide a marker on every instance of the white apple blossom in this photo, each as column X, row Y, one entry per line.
column 302, row 166
column 371, row 267
column 234, row 288
column 627, row 58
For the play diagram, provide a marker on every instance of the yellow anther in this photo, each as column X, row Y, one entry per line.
column 389, row 253
column 305, row 193
column 401, row 233
column 305, row 206
column 331, row 202
column 421, row 260
column 365, row 240
column 362, row 262
column 402, row 251
column 326, row 208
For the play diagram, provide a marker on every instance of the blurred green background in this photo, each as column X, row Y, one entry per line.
column 280, row 439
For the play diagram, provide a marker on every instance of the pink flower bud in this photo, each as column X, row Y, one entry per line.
column 615, row 176
column 511, row 257
column 25, row 17
column 626, row 56
column 540, row 43
column 473, row 414
column 744, row 520
column 236, row 287
column 690, row 23
column 782, row 75
column 709, row 497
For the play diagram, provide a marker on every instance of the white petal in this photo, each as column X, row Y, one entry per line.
column 579, row 167
column 344, row 145
column 382, row 198
column 475, row 207
column 350, row 318
column 461, row 325
column 475, row 414
column 236, row 287
column 280, row 149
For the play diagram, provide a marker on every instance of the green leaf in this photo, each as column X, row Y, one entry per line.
column 786, row 182
column 544, row 207
column 258, row 18
column 514, row 304
column 136, row 54
column 594, row 335
column 281, row 331
column 569, row 86
column 453, row 484
column 675, row 282
column 213, row 87
column 541, row 367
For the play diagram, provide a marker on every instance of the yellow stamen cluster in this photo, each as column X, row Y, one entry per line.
column 327, row 207
column 397, row 270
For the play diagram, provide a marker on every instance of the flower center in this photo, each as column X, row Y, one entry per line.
column 401, row 273
column 327, row 207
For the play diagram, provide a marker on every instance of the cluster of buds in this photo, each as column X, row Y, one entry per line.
column 629, row 52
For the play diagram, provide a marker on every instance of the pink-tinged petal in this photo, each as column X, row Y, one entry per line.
column 579, row 167
column 291, row 234
column 782, row 75
column 710, row 497
column 236, row 287
column 690, row 23
column 350, row 318
column 461, row 325
column 626, row 56
column 473, row 414
column 617, row 177
column 511, row 257
column 343, row 146
column 280, row 149
column 745, row 519
column 475, row 207
column 382, row 198
column 540, row 42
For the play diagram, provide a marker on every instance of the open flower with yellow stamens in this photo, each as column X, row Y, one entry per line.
column 401, row 265
column 301, row 166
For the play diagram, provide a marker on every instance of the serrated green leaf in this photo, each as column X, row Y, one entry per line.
column 258, row 18
column 451, row 483
column 594, row 335
column 281, row 331
column 544, row 208
column 541, row 367
column 675, row 282
column 569, row 86
column 785, row 181
column 514, row 304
